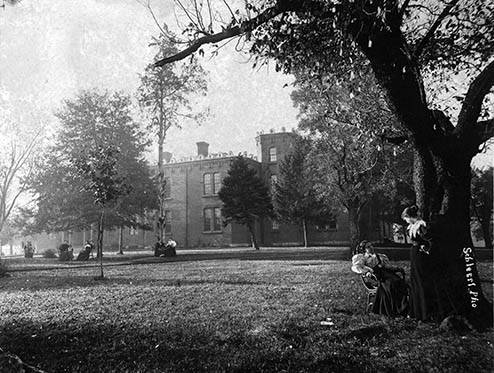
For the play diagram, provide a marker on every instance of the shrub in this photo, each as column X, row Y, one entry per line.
column 4, row 272
column 49, row 254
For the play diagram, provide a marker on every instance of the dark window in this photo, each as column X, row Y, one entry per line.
column 212, row 219
column 207, row 219
column 168, row 221
column 217, row 219
column 329, row 226
column 167, row 191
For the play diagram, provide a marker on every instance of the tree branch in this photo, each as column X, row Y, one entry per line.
column 421, row 45
column 246, row 26
column 472, row 104
column 484, row 130
column 396, row 140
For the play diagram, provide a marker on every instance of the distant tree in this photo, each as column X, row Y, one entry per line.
column 99, row 168
column 164, row 95
column 98, row 144
column 295, row 198
column 347, row 125
column 16, row 167
column 482, row 202
column 245, row 197
column 398, row 191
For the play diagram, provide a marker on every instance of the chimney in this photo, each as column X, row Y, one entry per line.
column 202, row 148
column 167, row 156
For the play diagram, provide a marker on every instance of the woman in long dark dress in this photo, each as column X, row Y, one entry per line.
column 392, row 293
column 423, row 302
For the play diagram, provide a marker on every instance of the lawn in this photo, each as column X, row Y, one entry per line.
column 234, row 314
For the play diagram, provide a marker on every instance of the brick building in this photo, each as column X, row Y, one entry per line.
column 193, row 208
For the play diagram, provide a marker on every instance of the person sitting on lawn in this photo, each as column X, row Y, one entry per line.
column 86, row 251
column 392, row 292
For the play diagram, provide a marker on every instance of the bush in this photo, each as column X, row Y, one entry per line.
column 4, row 272
column 49, row 254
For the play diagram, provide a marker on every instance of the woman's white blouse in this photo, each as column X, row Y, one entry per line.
column 363, row 263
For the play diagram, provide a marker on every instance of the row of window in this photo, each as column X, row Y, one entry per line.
column 211, row 184
column 213, row 222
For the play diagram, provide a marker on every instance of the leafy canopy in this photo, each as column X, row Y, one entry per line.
column 97, row 158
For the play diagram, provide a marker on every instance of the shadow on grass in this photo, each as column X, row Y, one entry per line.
column 289, row 345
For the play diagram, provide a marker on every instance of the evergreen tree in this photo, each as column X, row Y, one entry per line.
column 245, row 197
column 295, row 199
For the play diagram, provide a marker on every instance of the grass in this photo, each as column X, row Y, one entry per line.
column 221, row 315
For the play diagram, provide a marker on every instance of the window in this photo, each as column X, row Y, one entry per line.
column 167, row 190
column 212, row 183
column 207, row 219
column 212, row 219
column 168, row 221
column 273, row 181
column 275, row 225
column 133, row 231
column 272, row 155
column 217, row 219
column 216, row 182
column 329, row 226
column 207, row 184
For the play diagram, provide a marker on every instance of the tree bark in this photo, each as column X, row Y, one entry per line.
column 252, row 236
column 100, row 241
column 304, row 227
column 353, row 220
column 443, row 194
column 485, row 225
column 120, row 240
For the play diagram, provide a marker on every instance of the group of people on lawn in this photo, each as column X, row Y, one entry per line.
column 393, row 296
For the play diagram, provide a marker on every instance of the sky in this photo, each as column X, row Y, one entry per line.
column 49, row 50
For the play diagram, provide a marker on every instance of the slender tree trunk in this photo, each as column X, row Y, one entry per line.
column 353, row 221
column 120, row 240
column 304, row 227
column 100, row 241
column 252, row 236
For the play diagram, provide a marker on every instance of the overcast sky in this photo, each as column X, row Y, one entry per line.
column 49, row 50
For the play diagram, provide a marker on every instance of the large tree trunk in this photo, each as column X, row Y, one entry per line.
column 443, row 195
column 442, row 167
column 485, row 224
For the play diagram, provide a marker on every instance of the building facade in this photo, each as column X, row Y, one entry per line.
column 193, row 207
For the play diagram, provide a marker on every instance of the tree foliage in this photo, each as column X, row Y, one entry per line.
column 164, row 96
column 245, row 197
column 98, row 153
column 295, row 198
